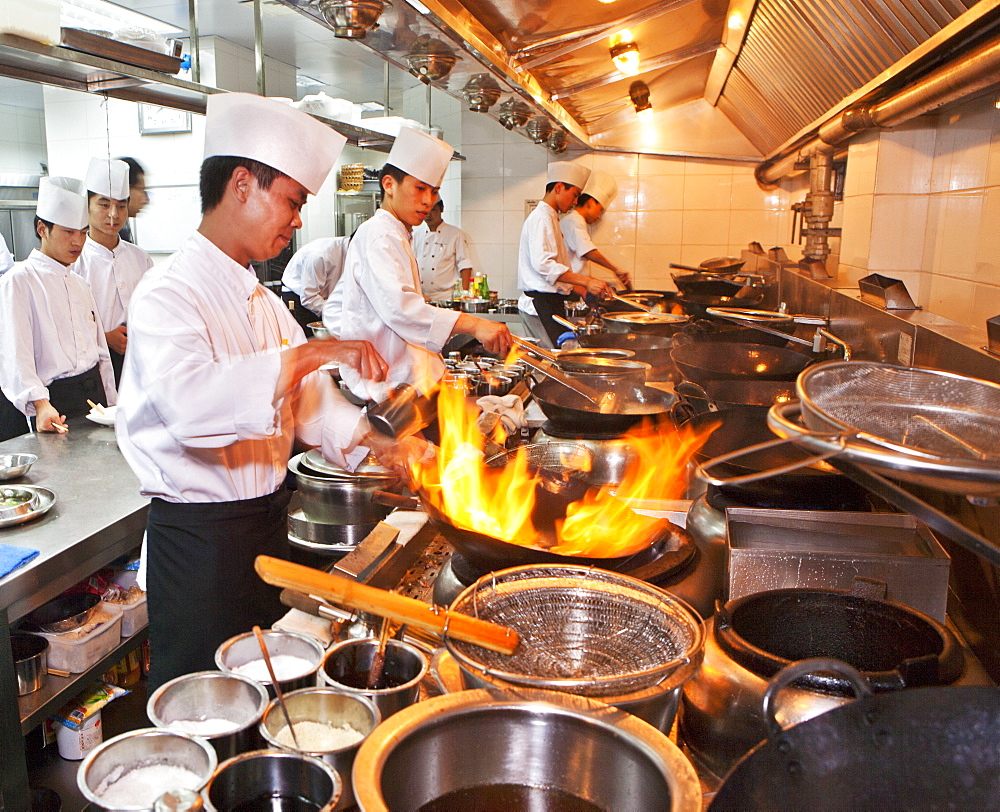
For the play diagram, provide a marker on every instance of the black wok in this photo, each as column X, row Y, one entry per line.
column 733, row 362
column 735, row 394
column 922, row 748
column 696, row 304
column 705, row 330
column 571, row 412
column 660, row 301
column 698, row 284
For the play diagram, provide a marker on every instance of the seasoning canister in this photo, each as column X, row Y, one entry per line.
column 74, row 744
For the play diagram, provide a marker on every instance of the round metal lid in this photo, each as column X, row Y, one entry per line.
column 647, row 318
column 313, row 460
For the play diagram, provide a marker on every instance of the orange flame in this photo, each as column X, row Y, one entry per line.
column 500, row 501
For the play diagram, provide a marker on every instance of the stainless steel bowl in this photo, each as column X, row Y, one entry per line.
column 65, row 613
column 14, row 465
column 344, row 499
column 352, row 19
column 17, row 501
column 318, row 330
column 475, row 305
column 348, row 663
column 272, row 779
column 244, row 648
column 30, row 661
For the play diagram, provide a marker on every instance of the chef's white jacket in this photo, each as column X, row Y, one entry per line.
column 441, row 255
column 112, row 276
column 198, row 419
column 50, row 328
column 383, row 304
column 576, row 235
column 314, row 270
column 542, row 256
column 6, row 259
column 333, row 307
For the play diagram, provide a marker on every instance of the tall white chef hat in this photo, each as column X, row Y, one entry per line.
column 421, row 155
column 265, row 130
column 108, row 178
column 569, row 173
column 602, row 187
column 62, row 201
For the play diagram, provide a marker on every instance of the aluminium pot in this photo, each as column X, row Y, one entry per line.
column 752, row 638
column 343, row 498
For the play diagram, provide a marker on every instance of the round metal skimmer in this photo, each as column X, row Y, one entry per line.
column 582, row 630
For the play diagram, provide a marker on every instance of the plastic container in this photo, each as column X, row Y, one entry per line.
column 80, row 653
column 38, row 20
column 135, row 615
column 75, row 744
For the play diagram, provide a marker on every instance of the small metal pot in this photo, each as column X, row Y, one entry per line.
column 244, row 648
column 31, row 657
column 343, row 499
column 208, row 695
column 475, row 305
column 272, row 779
column 347, row 664
column 14, row 465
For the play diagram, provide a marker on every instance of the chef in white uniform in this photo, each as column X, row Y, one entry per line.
column 55, row 356
column 544, row 274
column 219, row 382
column 313, row 272
column 596, row 196
column 383, row 302
column 443, row 257
column 112, row 266
column 6, row 258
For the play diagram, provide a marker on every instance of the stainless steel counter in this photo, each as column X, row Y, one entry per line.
column 98, row 515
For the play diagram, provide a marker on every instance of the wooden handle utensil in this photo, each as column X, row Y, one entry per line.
column 346, row 592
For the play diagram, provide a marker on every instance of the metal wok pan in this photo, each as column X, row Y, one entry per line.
column 659, row 301
column 735, row 394
column 570, row 412
column 922, row 748
column 699, row 284
column 710, row 330
column 734, row 362
column 650, row 349
column 696, row 304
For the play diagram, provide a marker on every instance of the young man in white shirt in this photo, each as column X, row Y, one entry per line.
column 55, row 356
column 6, row 258
column 443, row 257
column 111, row 265
column 312, row 273
column 544, row 274
column 220, row 382
column 383, row 302
column 596, row 196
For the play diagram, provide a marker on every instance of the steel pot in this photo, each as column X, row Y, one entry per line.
column 273, row 779
column 750, row 639
column 347, row 664
column 475, row 305
column 342, row 499
column 30, row 661
column 656, row 324
column 530, row 750
column 244, row 648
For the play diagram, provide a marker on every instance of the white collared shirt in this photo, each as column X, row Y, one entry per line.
column 542, row 256
column 576, row 235
column 314, row 270
column 383, row 304
column 112, row 276
column 49, row 329
column 198, row 419
column 6, row 259
column 441, row 255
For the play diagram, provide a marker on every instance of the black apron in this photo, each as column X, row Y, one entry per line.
column 68, row 396
column 303, row 315
column 548, row 305
column 200, row 577
column 117, row 364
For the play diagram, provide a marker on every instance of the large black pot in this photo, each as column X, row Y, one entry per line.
column 573, row 413
column 731, row 362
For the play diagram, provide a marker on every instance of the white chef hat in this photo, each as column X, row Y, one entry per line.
column 421, row 155
column 108, row 178
column 602, row 187
column 265, row 130
column 568, row 173
column 62, row 201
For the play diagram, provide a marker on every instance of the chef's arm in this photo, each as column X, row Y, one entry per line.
column 297, row 362
column 599, row 258
column 47, row 418
column 117, row 339
column 494, row 335
column 591, row 284
column 466, row 274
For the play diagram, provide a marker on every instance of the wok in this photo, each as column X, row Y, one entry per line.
column 711, row 330
column 658, row 324
column 570, row 412
column 733, row 362
column 696, row 304
column 735, row 394
column 922, row 748
column 659, row 301
column 696, row 283
column 650, row 349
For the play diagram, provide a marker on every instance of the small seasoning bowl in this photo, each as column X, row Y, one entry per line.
column 148, row 747
column 244, row 648
column 14, row 465
column 207, row 696
column 347, row 664
column 267, row 779
column 330, row 706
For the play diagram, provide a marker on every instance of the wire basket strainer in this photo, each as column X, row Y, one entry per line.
column 582, row 630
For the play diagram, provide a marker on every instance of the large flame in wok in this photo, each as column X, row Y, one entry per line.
column 500, row 502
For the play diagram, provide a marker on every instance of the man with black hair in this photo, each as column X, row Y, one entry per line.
column 383, row 302
column 442, row 252
column 312, row 273
column 220, row 382
column 543, row 267
column 55, row 356
column 596, row 196
column 138, row 197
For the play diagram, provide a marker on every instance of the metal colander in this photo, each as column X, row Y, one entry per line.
column 582, row 631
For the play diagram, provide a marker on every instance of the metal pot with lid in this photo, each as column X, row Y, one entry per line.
column 333, row 495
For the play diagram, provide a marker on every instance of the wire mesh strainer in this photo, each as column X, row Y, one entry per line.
column 582, row 630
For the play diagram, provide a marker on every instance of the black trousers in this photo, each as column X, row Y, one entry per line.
column 303, row 315
column 201, row 581
column 547, row 305
column 68, row 396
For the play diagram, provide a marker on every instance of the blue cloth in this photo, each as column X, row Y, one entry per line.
column 12, row 557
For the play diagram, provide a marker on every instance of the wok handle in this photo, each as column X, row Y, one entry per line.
column 787, row 675
column 565, row 322
column 631, row 303
column 347, row 592
column 687, row 267
column 701, row 471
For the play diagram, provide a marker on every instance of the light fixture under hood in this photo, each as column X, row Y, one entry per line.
column 352, row 19
column 639, row 93
column 430, row 58
column 539, row 129
column 514, row 113
column 557, row 141
column 482, row 92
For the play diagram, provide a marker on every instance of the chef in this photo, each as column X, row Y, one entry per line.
column 138, row 197
column 383, row 302
column 112, row 266
column 442, row 252
column 596, row 196
column 6, row 259
column 312, row 273
column 544, row 274
column 219, row 382
column 55, row 356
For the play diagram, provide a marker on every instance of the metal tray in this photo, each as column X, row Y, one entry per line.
column 90, row 43
column 46, row 499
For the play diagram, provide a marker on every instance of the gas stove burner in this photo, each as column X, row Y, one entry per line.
column 552, row 431
column 849, row 499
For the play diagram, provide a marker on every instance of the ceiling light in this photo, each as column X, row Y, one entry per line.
column 99, row 15
column 539, row 129
column 736, row 21
column 482, row 92
column 639, row 93
column 430, row 58
column 625, row 55
column 514, row 113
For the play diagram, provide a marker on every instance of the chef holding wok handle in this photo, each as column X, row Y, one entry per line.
column 598, row 193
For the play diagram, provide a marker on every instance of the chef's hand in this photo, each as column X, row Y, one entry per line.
column 117, row 339
column 625, row 278
column 48, row 419
column 494, row 335
column 360, row 356
column 297, row 362
column 400, row 455
column 599, row 288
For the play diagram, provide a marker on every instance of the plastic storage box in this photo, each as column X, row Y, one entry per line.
column 135, row 615
column 77, row 654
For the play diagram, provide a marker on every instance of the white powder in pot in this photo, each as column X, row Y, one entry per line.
column 141, row 786
column 286, row 667
column 320, row 737
column 204, row 727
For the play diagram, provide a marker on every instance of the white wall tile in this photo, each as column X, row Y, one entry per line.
column 708, row 192
column 862, row 162
column 895, row 219
column 661, row 193
column 905, row 158
column 658, row 227
column 654, row 165
column 705, row 228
